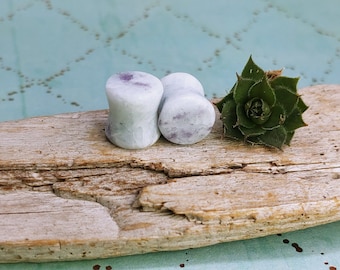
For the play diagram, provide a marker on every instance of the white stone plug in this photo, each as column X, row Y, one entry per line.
column 185, row 115
column 133, row 98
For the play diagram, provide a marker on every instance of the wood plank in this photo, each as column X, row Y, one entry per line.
column 34, row 223
column 66, row 193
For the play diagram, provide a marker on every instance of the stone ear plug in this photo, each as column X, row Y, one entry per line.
column 141, row 107
column 133, row 99
column 186, row 116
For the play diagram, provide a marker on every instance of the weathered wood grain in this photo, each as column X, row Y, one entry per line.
column 66, row 193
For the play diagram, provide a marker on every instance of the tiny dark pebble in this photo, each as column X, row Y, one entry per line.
column 182, row 265
column 74, row 104
column 297, row 248
column 109, row 267
column 332, row 268
column 12, row 93
column 286, row 241
column 96, row 267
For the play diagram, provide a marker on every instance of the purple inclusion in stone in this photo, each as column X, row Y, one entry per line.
column 141, row 84
column 125, row 76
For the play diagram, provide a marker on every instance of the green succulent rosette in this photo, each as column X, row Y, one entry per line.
column 262, row 107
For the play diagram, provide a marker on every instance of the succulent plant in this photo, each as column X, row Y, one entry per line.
column 262, row 107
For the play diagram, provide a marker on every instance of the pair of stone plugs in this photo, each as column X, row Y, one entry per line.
column 142, row 107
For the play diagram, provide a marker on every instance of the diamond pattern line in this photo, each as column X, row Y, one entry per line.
column 317, row 28
column 140, row 59
column 235, row 39
column 314, row 80
column 132, row 23
column 322, row 32
column 204, row 29
column 107, row 40
column 28, row 82
column 22, row 7
column 185, row 19
column 50, row 79
column 222, row 42
column 78, row 23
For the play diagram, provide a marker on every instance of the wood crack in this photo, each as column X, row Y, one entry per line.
column 98, row 200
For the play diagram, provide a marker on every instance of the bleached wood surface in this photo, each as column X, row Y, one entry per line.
column 66, row 193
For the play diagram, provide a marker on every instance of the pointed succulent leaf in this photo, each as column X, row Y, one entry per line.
column 253, row 140
column 275, row 138
column 294, row 121
column 250, row 132
column 229, row 119
column 302, row 106
column 223, row 101
column 241, row 89
column 242, row 118
column 285, row 82
column 252, row 71
column 263, row 90
column 287, row 99
column 276, row 119
column 289, row 137
column 262, row 107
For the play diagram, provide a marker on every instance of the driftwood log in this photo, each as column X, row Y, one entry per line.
column 66, row 193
